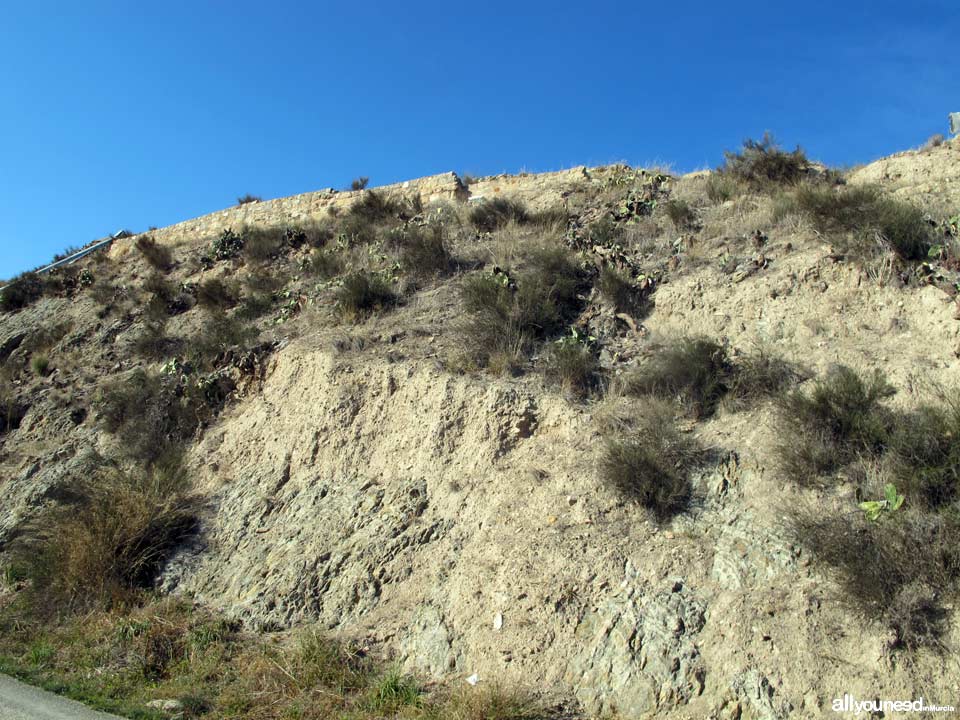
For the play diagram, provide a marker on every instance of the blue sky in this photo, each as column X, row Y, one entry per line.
column 126, row 115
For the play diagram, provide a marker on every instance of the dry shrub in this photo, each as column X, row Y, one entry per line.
column 572, row 366
column 363, row 293
column 508, row 318
column 649, row 460
column 762, row 166
column 493, row 214
column 896, row 571
column 108, row 541
column 157, row 256
column 863, row 221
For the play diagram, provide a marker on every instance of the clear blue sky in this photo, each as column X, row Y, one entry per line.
column 126, row 115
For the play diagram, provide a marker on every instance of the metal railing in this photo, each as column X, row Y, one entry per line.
column 79, row 254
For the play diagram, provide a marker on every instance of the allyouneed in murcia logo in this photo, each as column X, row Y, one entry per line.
column 850, row 704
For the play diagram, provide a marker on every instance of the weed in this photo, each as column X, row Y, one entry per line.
column 650, row 462
column 493, row 214
column 363, row 293
column 394, row 692
column 933, row 141
column 761, row 375
column 359, row 183
column 157, row 256
column 248, row 199
column 374, row 207
column 762, row 165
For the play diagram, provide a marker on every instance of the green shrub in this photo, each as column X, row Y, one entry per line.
column 865, row 220
column 571, row 365
column 110, row 539
column 157, row 256
column 490, row 215
column 22, row 291
column 762, row 165
column 363, row 293
column 651, row 462
column 393, row 692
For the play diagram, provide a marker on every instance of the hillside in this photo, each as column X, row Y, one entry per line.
column 584, row 433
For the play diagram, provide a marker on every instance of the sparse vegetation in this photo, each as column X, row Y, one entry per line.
column 720, row 188
column 863, row 220
column 763, row 166
column 158, row 256
column 359, row 183
column 248, row 199
column 215, row 295
column 507, row 317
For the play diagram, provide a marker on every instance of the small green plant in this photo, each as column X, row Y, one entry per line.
column 40, row 653
column 394, row 692
column 873, row 510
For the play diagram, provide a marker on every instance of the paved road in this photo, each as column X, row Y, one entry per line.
column 23, row 702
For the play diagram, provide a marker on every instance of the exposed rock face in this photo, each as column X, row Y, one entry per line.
column 639, row 651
